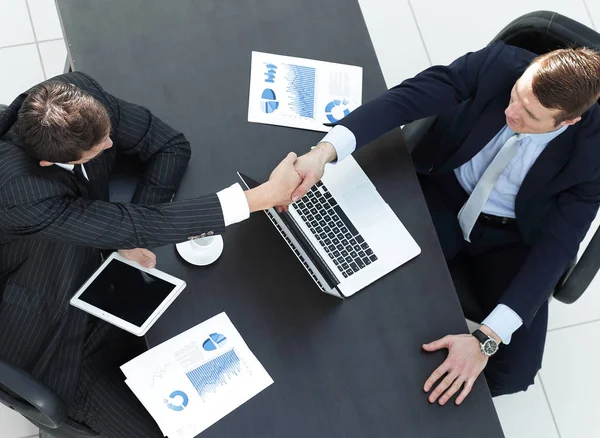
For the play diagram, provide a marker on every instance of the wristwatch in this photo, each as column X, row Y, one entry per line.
column 489, row 346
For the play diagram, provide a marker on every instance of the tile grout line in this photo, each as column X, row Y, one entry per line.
column 587, row 9
column 412, row 11
column 573, row 325
column 37, row 45
column 549, row 405
column 10, row 46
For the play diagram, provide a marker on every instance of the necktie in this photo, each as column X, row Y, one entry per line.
column 469, row 213
column 78, row 171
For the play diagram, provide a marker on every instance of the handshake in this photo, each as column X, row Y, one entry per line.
column 291, row 179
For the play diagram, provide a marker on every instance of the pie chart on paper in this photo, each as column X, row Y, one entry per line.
column 214, row 342
column 268, row 104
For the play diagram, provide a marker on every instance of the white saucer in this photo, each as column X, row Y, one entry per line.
column 200, row 256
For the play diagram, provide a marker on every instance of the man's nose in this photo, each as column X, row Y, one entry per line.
column 512, row 111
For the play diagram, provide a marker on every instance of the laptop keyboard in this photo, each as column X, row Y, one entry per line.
column 334, row 231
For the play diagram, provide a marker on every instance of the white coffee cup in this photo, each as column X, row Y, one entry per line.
column 203, row 242
column 201, row 251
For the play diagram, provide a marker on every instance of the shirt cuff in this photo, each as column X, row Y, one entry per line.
column 504, row 321
column 234, row 204
column 343, row 141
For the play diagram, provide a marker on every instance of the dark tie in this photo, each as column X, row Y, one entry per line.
column 78, row 171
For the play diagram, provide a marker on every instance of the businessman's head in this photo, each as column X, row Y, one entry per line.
column 555, row 90
column 61, row 123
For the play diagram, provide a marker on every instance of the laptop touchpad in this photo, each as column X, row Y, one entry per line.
column 364, row 209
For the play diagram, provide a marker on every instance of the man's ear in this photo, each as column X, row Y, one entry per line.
column 570, row 122
column 45, row 163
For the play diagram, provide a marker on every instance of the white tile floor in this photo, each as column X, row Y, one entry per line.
column 408, row 35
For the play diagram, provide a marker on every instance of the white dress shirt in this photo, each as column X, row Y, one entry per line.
column 503, row 320
column 233, row 200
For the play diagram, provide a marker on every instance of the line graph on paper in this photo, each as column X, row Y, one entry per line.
column 217, row 377
column 158, row 374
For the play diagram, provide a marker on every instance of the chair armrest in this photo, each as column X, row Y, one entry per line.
column 414, row 132
column 34, row 399
column 572, row 286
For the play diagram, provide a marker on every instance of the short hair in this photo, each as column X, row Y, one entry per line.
column 567, row 80
column 58, row 121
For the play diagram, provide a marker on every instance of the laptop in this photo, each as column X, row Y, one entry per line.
column 343, row 232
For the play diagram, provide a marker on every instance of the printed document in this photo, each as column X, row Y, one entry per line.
column 193, row 380
column 301, row 93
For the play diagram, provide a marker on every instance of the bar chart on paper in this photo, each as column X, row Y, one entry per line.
column 215, row 374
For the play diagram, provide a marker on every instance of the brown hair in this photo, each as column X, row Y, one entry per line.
column 567, row 80
column 58, row 122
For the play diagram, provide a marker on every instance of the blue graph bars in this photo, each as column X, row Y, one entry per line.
column 207, row 378
column 301, row 89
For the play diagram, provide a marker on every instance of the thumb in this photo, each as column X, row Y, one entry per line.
column 437, row 345
column 290, row 158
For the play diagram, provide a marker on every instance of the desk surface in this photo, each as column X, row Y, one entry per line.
column 350, row 368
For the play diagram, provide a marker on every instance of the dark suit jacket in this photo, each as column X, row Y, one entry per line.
column 559, row 196
column 51, row 232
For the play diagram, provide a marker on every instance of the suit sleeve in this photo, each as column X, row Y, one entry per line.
column 38, row 208
column 164, row 151
column 432, row 91
column 553, row 251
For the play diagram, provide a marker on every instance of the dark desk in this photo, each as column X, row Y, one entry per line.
column 349, row 368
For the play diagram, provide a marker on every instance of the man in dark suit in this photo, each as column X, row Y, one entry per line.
column 511, row 175
column 58, row 144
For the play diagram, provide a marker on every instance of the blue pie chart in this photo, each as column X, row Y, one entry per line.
column 336, row 110
column 214, row 341
column 268, row 102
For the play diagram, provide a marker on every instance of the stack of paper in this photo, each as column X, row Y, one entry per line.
column 191, row 381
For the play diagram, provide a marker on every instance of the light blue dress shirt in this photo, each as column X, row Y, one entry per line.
column 503, row 320
column 502, row 199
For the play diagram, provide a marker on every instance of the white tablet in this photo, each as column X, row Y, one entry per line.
column 127, row 295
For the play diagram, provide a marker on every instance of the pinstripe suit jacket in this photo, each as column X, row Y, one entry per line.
column 51, row 232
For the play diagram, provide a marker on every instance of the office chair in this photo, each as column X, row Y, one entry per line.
column 539, row 32
column 26, row 395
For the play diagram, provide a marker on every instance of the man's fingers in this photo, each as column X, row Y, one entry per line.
column 437, row 345
column 307, row 183
column 452, row 390
column 466, row 390
column 148, row 258
column 439, row 390
column 435, row 376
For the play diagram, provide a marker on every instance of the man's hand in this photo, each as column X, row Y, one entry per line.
column 311, row 166
column 463, row 365
column 144, row 257
column 278, row 190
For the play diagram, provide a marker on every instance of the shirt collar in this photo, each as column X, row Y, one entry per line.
column 65, row 166
column 544, row 138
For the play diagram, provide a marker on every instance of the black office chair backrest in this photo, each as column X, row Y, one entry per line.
column 543, row 31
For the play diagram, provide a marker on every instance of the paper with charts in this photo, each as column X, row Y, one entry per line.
column 301, row 93
column 193, row 380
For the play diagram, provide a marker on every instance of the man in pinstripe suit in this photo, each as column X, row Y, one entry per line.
column 55, row 219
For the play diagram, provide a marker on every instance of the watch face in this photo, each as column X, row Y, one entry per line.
column 489, row 347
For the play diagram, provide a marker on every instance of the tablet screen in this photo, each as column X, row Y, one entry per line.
column 126, row 292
